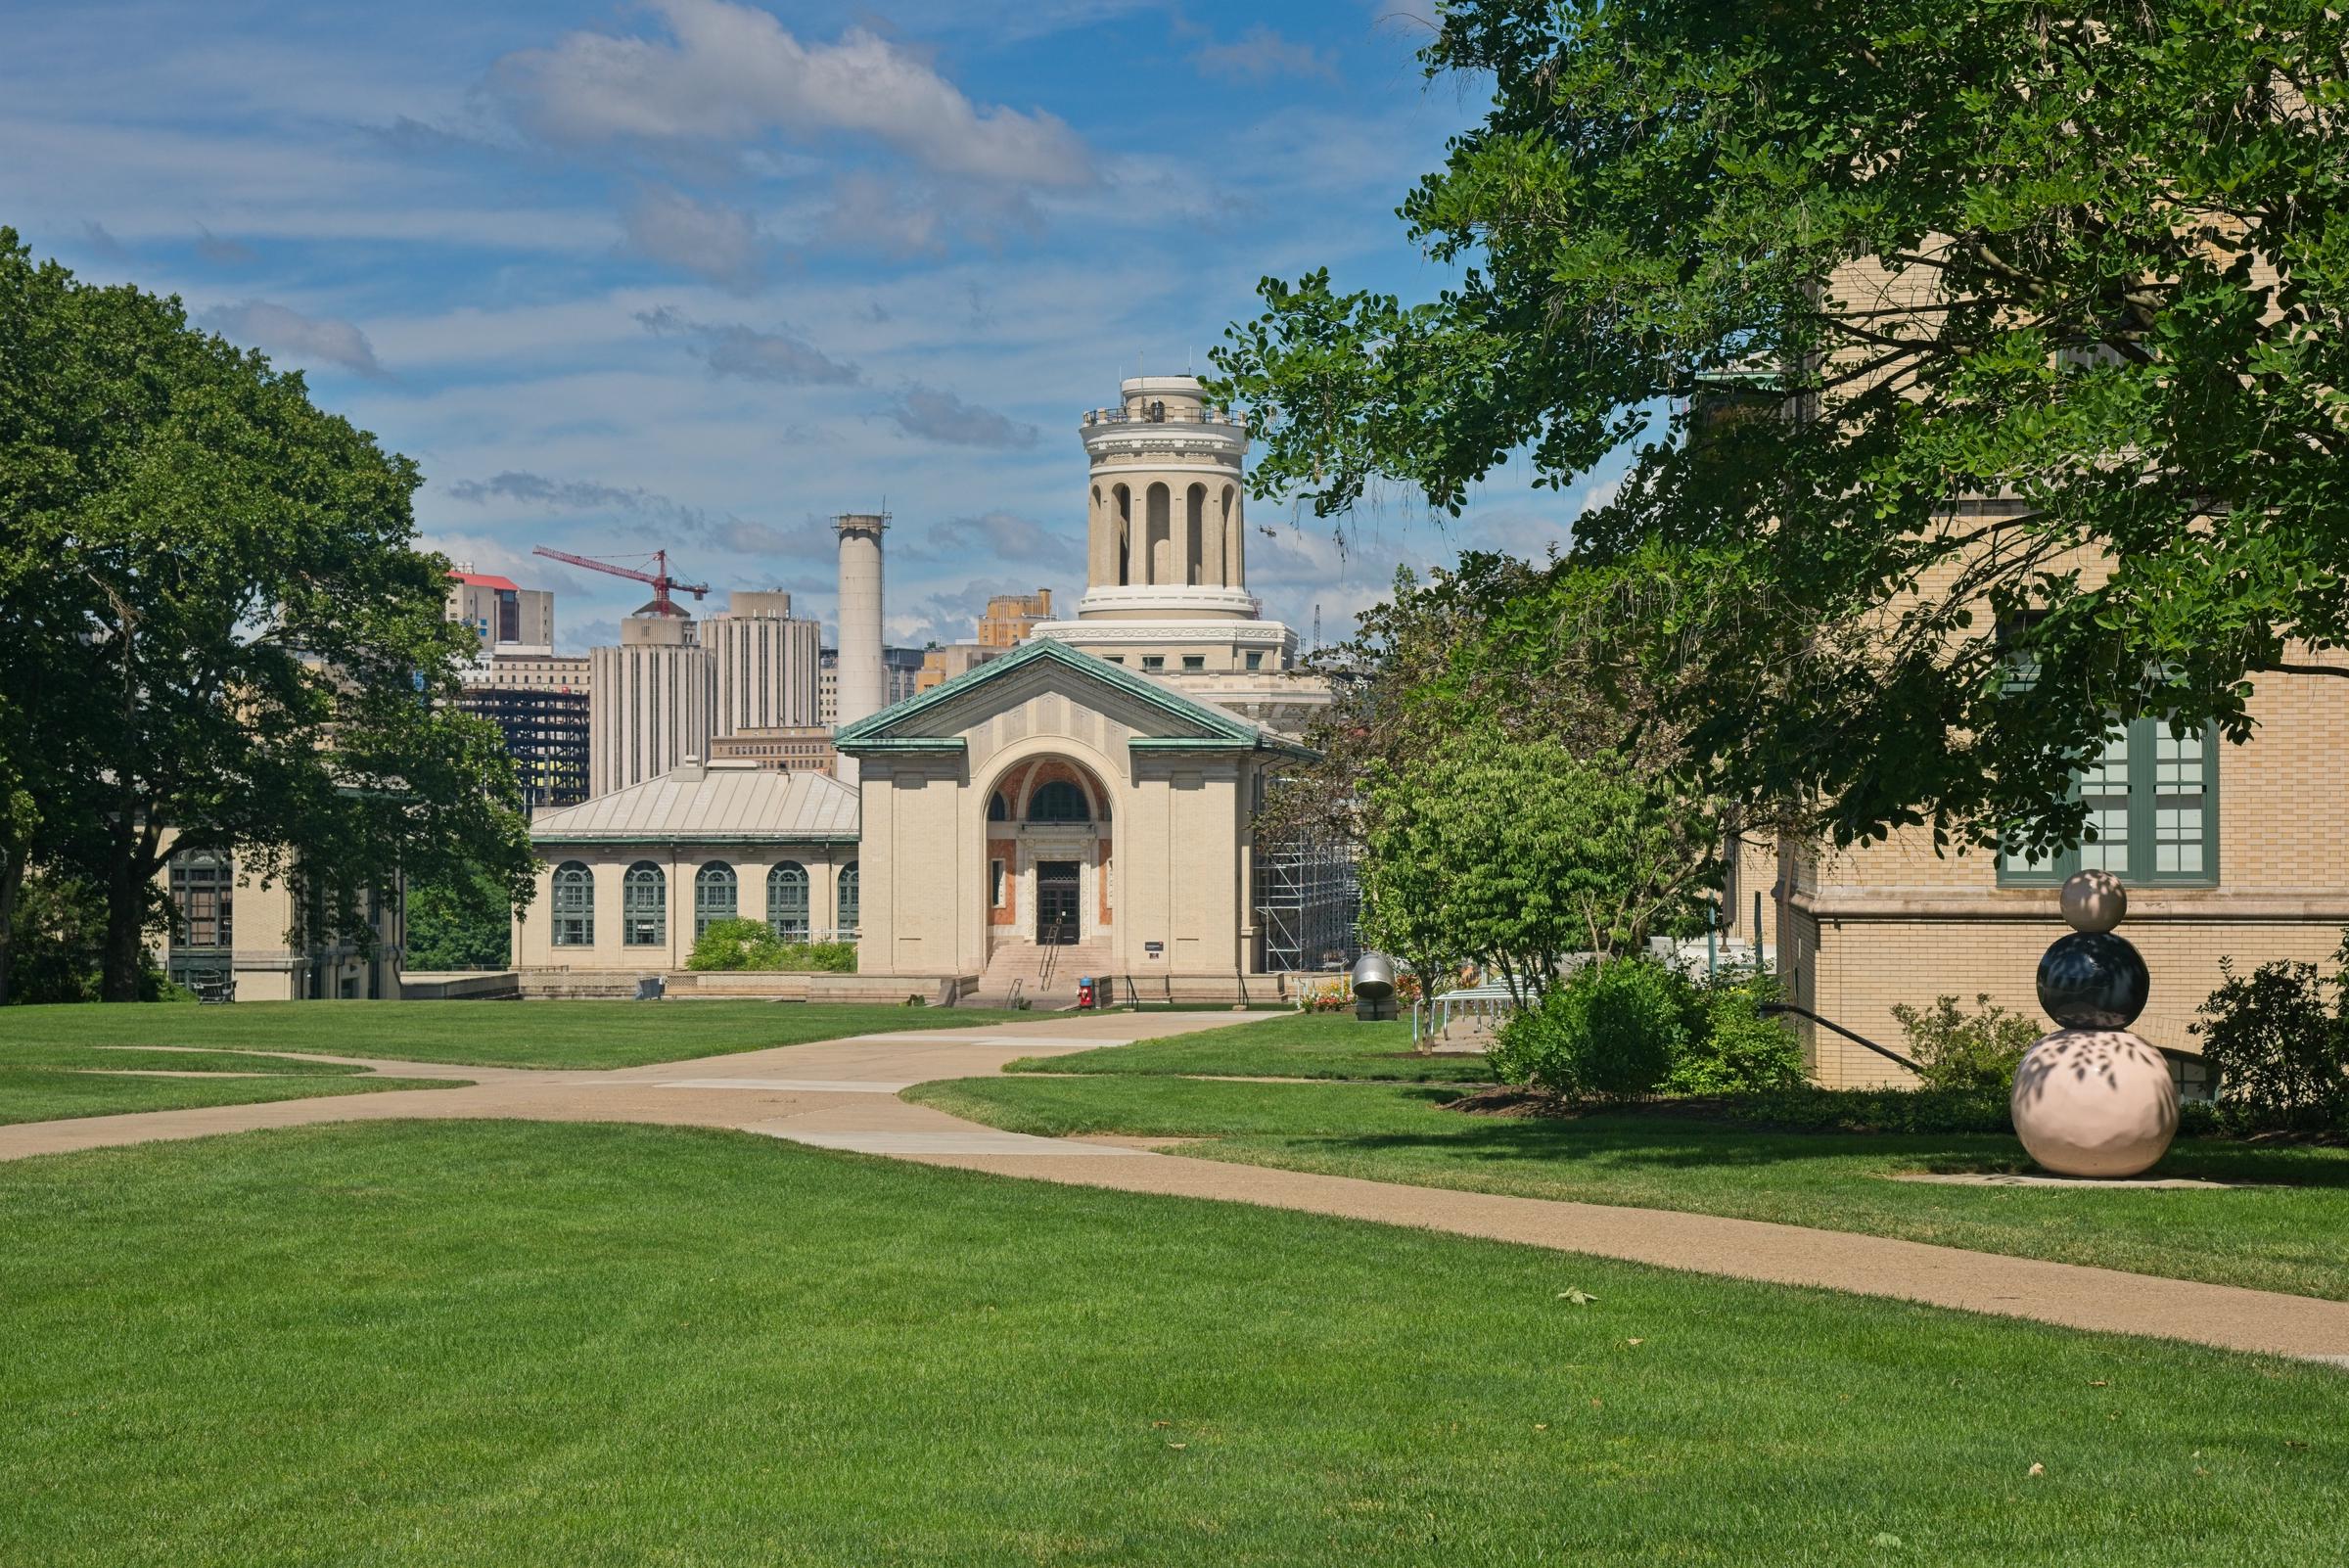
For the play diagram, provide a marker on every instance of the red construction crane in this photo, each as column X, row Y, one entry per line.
column 659, row 578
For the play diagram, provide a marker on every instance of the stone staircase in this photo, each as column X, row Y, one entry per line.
column 1046, row 977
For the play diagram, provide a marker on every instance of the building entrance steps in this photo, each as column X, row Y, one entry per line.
column 840, row 1095
column 1046, row 974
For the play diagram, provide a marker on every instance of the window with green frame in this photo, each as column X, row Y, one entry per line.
column 2153, row 801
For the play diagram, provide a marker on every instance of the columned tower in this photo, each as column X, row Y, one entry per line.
column 1165, row 533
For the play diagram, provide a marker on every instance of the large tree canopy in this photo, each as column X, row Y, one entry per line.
column 1945, row 339
column 216, row 628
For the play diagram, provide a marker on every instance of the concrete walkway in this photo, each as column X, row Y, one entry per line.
column 842, row 1094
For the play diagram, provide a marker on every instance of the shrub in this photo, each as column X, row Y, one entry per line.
column 1731, row 1047
column 2278, row 1052
column 750, row 944
column 1612, row 1028
column 1955, row 1049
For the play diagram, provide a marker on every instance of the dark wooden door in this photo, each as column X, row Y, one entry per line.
column 1056, row 901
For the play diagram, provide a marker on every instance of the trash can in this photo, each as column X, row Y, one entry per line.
column 1374, row 988
column 651, row 988
column 1085, row 992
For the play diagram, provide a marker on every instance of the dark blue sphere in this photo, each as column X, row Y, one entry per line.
column 2093, row 979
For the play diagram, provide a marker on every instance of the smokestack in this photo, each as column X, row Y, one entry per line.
column 863, row 683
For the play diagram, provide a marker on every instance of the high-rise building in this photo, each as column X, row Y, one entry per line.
column 765, row 665
column 901, row 669
column 650, row 700
column 1011, row 617
column 789, row 749
column 508, row 619
column 546, row 731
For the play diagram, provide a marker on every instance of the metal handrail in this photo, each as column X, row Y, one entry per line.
column 1890, row 1055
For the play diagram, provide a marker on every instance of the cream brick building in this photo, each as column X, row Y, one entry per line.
column 235, row 936
column 2227, row 852
column 628, row 880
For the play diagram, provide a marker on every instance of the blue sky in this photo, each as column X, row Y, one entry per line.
column 702, row 273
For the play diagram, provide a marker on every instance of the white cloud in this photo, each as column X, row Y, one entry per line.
column 1258, row 55
column 703, row 238
column 732, row 73
column 291, row 334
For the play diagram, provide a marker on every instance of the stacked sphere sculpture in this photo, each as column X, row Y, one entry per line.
column 2094, row 1099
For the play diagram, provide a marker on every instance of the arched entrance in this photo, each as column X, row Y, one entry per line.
column 1048, row 860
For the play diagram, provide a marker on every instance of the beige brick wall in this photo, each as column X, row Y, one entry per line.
column 1894, row 922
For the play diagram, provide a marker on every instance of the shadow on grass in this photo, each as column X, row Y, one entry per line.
column 1628, row 1141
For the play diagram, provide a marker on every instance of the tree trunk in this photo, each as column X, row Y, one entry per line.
column 126, row 882
column 12, row 881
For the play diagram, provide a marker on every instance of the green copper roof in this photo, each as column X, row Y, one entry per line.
column 897, row 727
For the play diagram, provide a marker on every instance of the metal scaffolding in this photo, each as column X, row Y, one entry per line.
column 1307, row 905
column 546, row 735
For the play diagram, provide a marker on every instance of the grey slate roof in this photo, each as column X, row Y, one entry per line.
column 711, row 803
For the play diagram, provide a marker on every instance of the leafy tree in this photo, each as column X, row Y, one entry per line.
column 219, row 632
column 1942, row 336
column 1515, row 852
column 461, row 923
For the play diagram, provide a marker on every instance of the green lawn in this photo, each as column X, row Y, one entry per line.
column 498, row 1343
column 50, row 1093
column 547, row 1034
column 1287, row 1045
column 2289, row 1238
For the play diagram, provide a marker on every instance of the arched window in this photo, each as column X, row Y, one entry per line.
column 571, row 901
column 1059, row 802
column 848, row 901
column 643, row 907
column 996, row 810
column 787, row 901
column 712, row 896
column 203, row 897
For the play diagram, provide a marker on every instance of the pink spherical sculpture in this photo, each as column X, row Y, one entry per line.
column 2095, row 1102
column 2094, row 900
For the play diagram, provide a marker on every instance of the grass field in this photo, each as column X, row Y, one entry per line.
column 54, row 1093
column 498, row 1343
column 2286, row 1238
column 538, row 1033
column 1287, row 1045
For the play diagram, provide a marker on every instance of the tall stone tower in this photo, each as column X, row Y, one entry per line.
column 863, row 679
column 1166, row 533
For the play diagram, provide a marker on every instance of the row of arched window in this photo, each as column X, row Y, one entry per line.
column 717, row 895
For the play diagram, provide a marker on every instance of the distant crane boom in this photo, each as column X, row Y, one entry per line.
column 659, row 576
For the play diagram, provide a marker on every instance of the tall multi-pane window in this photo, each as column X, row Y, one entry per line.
column 712, row 896
column 571, row 902
column 202, row 900
column 1059, row 802
column 2153, row 802
column 643, row 907
column 787, row 901
column 848, row 901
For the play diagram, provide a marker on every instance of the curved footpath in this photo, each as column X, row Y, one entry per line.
column 842, row 1094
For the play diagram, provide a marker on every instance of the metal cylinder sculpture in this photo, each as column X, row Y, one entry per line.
column 2093, row 1099
column 1374, row 987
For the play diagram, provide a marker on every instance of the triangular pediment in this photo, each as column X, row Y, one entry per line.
column 1152, row 712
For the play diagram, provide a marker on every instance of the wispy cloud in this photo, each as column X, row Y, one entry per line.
column 730, row 349
column 220, row 252
column 291, row 334
column 703, row 238
column 940, row 416
column 1257, row 55
column 725, row 531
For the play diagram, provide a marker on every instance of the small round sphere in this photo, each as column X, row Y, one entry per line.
column 2094, row 900
column 2093, row 980
column 2095, row 1103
